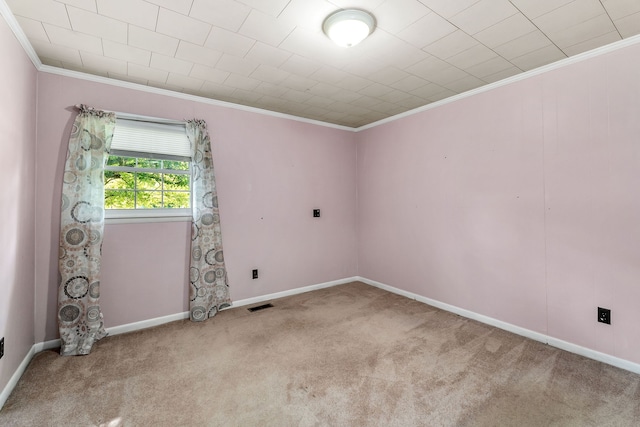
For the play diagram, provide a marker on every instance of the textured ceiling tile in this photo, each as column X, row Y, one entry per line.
column 522, row 45
column 473, row 56
column 375, row 90
column 185, row 81
column 428, row 66
column 353, row 83
column 388, row 75
column 227, row 14
column 538, row 58
column 266, row 28
column 617, row 9
column 411, row 102
column 65, row 37
column 246, row 96
column 585, row 31
column 89, row 5
column 237, row 65
column 296, row 96
column 346, row 96
column 266, row 54
column 428, row 91
column 483, row 15
column 32, row 29
column 487, row 68
column 60, row 53
column 271, row 7
column 309, row 14
column 323, row 89
column 130, row 79
column 300, row 66
column 512, row 71
column 329, row 75
column 319, row 101
column 269, row 74
column 629, row 25
column 569, row 15
column 398, row 14
column 427, row 30
column 135, row 12
column 155, row 42
column 142, row 72
column 48, row 11
column 534, row 8
column 97, row 25
column 298, row 83
column 464, row 84
column 83, row 69
column 270, row 89
column 172, row 65
column 602, row 40
column 103, row 64
column 241, row 82
column 198, row 54
column 391, row 50
column 182, row 27
column 451, row 45
column 217, row 91
column 511, row 28
column 447, row 75
column 409, row 84
column 180, row 6
column 126, row 53
column 448, row 8
column 229, row 42
column 203, row 72
column 446, row 93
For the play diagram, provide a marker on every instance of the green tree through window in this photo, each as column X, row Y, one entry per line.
column 145, row 183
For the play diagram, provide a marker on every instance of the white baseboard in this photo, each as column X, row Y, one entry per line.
column 13, row 381
column 290, row 292
column 537, row 336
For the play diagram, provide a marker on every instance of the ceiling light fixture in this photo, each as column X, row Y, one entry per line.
column 348, row 27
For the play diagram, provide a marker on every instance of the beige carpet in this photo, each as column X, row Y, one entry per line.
column 351, row 355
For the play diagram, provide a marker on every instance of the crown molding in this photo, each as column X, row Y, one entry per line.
column 630, row 41
column 20, row 35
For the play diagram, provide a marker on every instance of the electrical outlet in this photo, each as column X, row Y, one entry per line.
column 604, row 315
column 1, row 347
column 316, row 213
column 254, row 274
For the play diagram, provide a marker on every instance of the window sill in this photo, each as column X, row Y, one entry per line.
column 146, row 216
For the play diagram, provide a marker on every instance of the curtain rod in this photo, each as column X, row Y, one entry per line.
column 139, row 118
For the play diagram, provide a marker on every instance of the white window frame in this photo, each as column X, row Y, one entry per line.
column 119, row 216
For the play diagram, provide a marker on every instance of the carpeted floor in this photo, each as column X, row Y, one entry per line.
column 351, row 355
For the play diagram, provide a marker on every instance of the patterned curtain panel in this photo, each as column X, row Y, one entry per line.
column 209, row 289
column 82, row 224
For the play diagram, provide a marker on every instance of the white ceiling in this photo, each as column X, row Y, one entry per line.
column 272, row 54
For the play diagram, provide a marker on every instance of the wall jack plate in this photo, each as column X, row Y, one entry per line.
column 604, row 315
column 1, row 347
column 254, row 274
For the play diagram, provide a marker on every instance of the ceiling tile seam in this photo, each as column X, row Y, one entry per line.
column 538, row 28
column 611, row 19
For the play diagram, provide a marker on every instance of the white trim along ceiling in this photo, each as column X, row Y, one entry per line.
column 272, row 57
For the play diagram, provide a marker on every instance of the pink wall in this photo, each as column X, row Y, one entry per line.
column 520, row 203
column 270, row 172
column 17, row 174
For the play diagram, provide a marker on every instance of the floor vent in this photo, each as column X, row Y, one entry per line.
column 260, row 307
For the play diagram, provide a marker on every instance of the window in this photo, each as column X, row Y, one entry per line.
column 148, row 172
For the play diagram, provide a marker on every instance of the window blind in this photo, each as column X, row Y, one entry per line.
column 150, row 139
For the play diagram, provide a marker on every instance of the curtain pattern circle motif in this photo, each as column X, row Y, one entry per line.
column 208, row 283
column 80, row 320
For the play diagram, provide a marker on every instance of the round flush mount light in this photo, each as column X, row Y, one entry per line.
column 348, row 27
